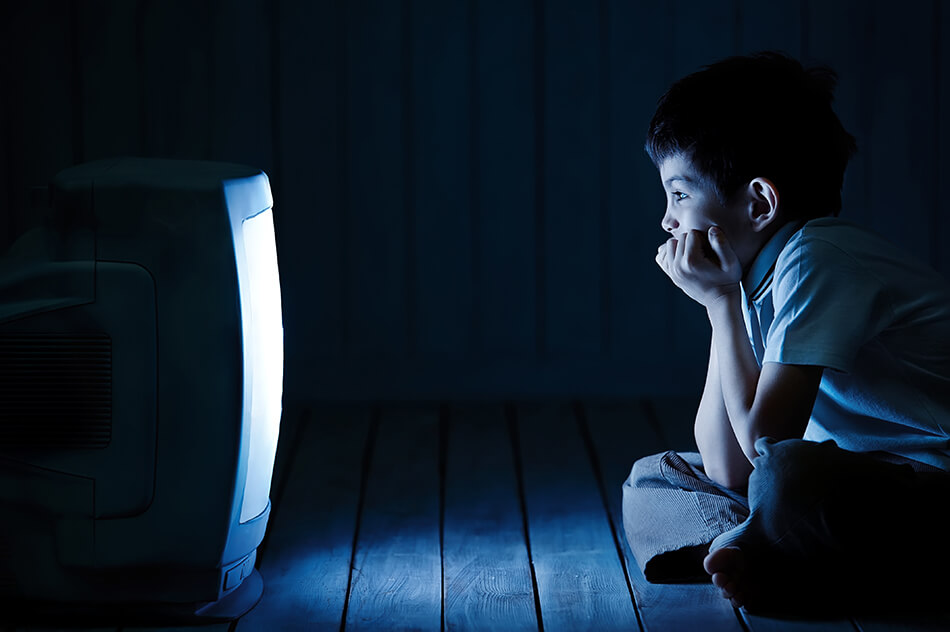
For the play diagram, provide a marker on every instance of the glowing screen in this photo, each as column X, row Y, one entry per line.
column 263, row 358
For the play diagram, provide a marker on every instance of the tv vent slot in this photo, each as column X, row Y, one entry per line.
column 55, row 390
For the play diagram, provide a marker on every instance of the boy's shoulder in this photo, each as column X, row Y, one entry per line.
column 833, row 231
column 832, row 240
column 835, row 252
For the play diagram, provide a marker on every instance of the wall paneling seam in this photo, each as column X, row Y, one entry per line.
column 539, row 175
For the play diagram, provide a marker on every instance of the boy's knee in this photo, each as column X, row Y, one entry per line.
column 785, row 460
column 797, row 469
column 646, row 469
column 645, row 476
column 665, row 469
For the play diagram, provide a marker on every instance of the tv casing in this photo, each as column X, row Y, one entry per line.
column 125, row 426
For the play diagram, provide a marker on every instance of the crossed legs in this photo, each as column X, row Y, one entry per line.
column 822, row 526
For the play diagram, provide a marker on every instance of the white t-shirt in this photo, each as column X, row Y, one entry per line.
column 830, row 293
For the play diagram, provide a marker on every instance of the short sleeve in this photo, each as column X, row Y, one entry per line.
column 827, row 306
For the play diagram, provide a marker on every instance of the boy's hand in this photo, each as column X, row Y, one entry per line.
column 704, row 270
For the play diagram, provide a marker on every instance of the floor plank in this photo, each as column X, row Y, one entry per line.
column 214, row 627
column 485, row 557
column 621, row 434
column 581, row 582
column 305, row 564
column 397, row 577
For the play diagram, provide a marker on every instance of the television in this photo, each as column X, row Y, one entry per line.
column 141, row 373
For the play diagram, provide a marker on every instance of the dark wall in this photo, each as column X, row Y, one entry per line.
column 463, row 206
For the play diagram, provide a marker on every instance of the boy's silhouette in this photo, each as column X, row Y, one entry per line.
column 824, row 425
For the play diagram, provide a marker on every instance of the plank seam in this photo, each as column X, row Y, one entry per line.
column 368, row 450
column 512, row 419
column 743, row 623
column 584, row 428
column 443, row 458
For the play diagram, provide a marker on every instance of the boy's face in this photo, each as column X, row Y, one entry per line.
column 691, row 204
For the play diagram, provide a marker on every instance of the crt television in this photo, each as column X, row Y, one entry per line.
column 141, row 371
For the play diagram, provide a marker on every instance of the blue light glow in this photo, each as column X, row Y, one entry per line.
column 263, row 359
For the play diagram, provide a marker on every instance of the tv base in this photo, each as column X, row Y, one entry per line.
column 231, row 606
column 235, row 604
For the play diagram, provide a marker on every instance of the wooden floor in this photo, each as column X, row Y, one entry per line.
column 479, row 517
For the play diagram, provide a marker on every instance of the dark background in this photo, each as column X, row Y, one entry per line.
column 462, row 202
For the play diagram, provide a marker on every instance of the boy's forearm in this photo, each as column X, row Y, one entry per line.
column 723, row 458
column 738, row 368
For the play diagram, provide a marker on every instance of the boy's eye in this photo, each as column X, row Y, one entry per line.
column 679, row 195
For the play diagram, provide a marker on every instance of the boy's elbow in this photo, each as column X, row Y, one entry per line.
column 747, row 445
column 731, row 476
column 723, row 464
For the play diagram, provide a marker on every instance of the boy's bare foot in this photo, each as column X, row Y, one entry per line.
column 728, row 568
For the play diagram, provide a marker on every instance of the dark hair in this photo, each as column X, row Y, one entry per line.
column 758, row 116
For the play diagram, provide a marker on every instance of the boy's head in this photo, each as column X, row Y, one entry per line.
column 758, row 116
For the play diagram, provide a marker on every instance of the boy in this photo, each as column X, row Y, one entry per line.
column 824, row 424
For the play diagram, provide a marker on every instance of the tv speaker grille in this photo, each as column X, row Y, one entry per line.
column 55, row 390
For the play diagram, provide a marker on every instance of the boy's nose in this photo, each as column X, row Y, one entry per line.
column 669, row 223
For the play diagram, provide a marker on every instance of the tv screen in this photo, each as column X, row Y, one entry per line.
column 141, row 371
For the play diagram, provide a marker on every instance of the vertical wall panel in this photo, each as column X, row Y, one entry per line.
column 111, row 80
column 703, row 32
column 640, row 71
column 902, row 165
column 310, row 207
column 572, row 177
column 505, row 172
column 940, row 204
column 461, row 197
column 176, row 67
column 441, row 84
column 778, row 28
column 378, row 227
column 39, row 97
column 242, row 86
column 838, row 36
column 7, row 219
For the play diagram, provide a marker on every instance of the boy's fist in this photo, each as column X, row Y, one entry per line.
column 704, row 265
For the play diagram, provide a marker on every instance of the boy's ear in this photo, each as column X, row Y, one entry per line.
column 763, row 203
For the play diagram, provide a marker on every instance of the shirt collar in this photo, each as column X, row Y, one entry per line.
column 758, row 279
